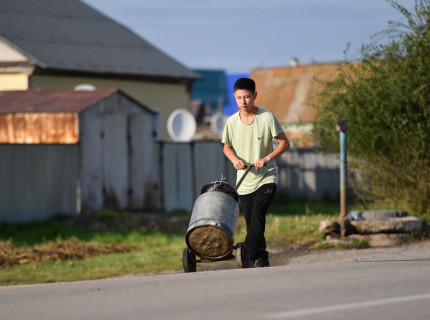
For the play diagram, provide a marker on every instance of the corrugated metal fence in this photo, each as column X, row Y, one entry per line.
column 39, row 181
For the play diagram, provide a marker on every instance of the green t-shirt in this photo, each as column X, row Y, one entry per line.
column 252, row 142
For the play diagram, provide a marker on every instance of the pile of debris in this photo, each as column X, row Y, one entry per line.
column 379, row 228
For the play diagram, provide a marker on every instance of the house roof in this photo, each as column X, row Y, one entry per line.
column 286, row 91
column 50, row 100
column 70, row 36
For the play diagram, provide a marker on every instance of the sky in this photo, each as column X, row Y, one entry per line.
column 239, row 36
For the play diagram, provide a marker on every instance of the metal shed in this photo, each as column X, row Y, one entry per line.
column 70, row 152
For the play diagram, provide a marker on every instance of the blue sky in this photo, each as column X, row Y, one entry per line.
column 238, row 36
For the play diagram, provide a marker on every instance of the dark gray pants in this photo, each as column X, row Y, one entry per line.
column 254, row 207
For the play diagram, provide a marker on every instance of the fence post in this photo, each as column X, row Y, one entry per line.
column 341, row 127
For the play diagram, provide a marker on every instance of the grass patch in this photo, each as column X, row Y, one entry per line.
column 284, row 205
column 96, row 255
column 52, row 251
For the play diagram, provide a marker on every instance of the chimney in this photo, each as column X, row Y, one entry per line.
column 294, row 62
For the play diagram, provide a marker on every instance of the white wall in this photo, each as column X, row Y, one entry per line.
column 160, row 96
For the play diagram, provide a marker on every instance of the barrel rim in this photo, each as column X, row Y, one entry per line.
column 223, row 187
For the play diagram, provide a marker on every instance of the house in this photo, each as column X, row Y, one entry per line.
column 288, row 92
column 210, row 91
column 208, row 97
column 213, row 101
column 69, row 152
column 66, row 44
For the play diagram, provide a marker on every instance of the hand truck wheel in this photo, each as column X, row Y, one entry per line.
column 189, row 260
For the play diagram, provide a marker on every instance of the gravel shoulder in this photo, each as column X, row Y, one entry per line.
column 278, row 256
column 414, row 251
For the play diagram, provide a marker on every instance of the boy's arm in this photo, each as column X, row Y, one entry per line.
column 231, row 155
column 283, row 145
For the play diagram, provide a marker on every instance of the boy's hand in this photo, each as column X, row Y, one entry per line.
column 239, row 165
column 260, row 163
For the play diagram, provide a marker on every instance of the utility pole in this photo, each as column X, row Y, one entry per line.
column 341, row 127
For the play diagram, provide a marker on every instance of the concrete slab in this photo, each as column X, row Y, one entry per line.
column 377, row 214
column 393, row 225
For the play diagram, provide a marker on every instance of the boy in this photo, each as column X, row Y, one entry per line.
column 247, row 138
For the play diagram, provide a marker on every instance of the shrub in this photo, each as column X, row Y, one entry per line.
column 386, row 99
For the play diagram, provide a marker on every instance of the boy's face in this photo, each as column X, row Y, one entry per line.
column 245, row 99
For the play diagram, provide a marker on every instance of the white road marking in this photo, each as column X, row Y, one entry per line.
column 342, row 307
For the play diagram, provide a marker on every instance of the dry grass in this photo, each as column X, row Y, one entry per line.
column 70, row 249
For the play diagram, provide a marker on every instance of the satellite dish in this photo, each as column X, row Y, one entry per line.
column 181, row 125
column 84, row 87
column 218, row 121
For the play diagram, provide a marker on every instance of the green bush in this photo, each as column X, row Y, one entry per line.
column 386, row 99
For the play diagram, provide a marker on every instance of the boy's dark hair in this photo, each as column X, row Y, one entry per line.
column 244, row 83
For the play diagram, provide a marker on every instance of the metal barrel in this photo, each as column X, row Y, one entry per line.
column 210, row 234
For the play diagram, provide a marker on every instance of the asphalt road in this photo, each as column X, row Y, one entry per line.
column 368, row 288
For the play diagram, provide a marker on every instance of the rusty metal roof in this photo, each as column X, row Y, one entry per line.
column 285, row 91
column 50, row 100
column 39, row 128
column 47, row 116
column 70, row 36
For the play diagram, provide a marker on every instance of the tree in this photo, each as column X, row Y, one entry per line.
column 386, row 98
